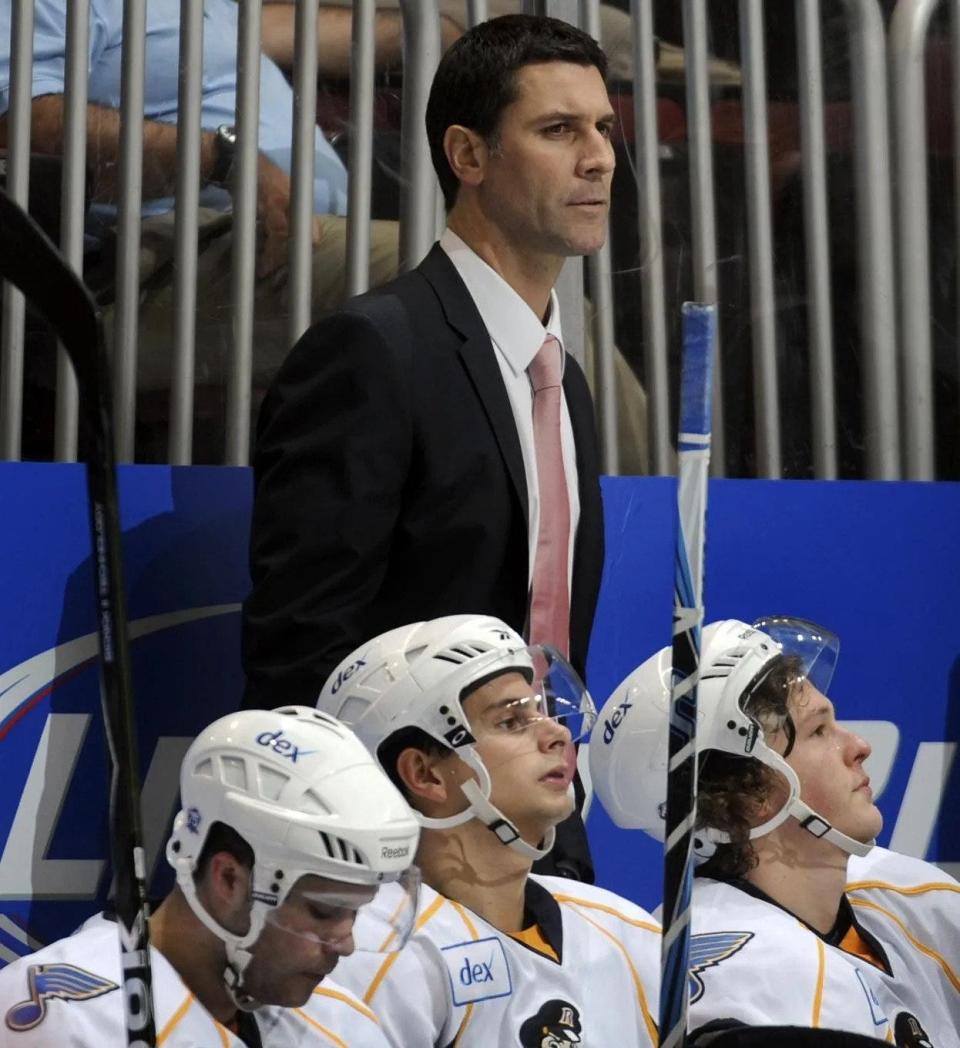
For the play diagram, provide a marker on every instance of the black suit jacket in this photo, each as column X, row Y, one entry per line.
column 390, row 488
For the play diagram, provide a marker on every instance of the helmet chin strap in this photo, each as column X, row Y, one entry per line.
column 501, row 827
column 238, row 954
column 819, row 827
column 478, row 794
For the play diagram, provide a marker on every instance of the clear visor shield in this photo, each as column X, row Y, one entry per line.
column 344, row 918
column 524, row 709
column 813, row 649
column 526, row 691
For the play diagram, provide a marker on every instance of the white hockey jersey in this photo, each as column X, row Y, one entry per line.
column 753, row 962
column 68, row 995
column 587, row 972
column 912, row 908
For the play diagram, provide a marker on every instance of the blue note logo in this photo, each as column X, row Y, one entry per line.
column 477, row 970
column 47, row 981
column 556, row 1025
column 709, row 950
column 282, row 746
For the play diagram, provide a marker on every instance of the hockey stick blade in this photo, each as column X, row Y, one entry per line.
column 30, row 261
column 693, row 454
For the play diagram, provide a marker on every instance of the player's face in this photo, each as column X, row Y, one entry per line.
column 546, row 182
column 528, row 754
column 303, row 940
column 828, row 760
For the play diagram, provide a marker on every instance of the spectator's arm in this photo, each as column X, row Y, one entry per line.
column 103, row 147
column 334, row 29
column 160, row 167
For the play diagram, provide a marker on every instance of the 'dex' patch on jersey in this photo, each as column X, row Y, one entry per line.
column 478, row 970
column 707, row 951
column 46, row 981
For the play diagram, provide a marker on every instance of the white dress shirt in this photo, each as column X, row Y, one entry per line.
column 517, row 334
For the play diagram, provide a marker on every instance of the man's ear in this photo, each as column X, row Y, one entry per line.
column 467, row 154
column 225, row 891
column 423, row 775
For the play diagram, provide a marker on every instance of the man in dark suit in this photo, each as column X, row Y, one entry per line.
column 397, row 456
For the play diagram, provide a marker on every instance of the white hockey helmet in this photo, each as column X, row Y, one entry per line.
column 304, row 794
column 628, row 753
column 416, row 676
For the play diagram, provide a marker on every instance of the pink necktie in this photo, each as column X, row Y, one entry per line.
column 549, row 590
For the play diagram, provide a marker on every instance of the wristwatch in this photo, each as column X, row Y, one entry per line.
column 224, row 150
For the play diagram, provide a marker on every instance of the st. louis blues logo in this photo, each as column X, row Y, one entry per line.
column 45, row 981
column 708, row 950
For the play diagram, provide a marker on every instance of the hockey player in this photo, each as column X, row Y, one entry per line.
column 478, row 730
column 783, row 803
column 291, row 850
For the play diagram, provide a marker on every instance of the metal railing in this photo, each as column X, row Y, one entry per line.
column 651, row 346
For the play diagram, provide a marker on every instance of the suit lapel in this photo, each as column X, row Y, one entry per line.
column 479, row 359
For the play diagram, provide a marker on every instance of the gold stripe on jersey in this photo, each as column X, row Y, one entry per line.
column 534, row 938
column 429, row 912
column 652, row 1031
column 329, row 1034
column 575, row 901
column 323, row 991
column 928, row 951
column 818, row 992
column 916, row 889
column 175, row 1019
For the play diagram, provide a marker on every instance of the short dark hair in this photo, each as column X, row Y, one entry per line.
column 223, row 838
column 391, row 748
column 476, row 81
column 730, row 789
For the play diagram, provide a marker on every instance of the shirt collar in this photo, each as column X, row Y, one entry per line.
column 512, row 325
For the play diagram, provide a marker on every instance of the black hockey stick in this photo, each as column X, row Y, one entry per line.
column 29, row 261
column 693, row 456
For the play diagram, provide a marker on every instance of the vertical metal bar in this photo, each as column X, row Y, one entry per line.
column 815, row 219
column 955, row 109
column 240, row 370
column 421, row 55
column 304, row 151
column 128, row 227
column 649, row 213
column 908, row 35
column 476, row 12
column 760, row 240
column 360, row 165
column 702, row 205
column 180, row 450
column 868, row 74
column 72, row 204
column 569, row 285
column 955, row 92
column 18, row 188
column 599, row 268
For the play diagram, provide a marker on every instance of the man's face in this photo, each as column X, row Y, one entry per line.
column 828, row 760
column 529, row 755
column 303, row 939
column 546, row 185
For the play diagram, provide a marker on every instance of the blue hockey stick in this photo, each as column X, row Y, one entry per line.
column 693, row 453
